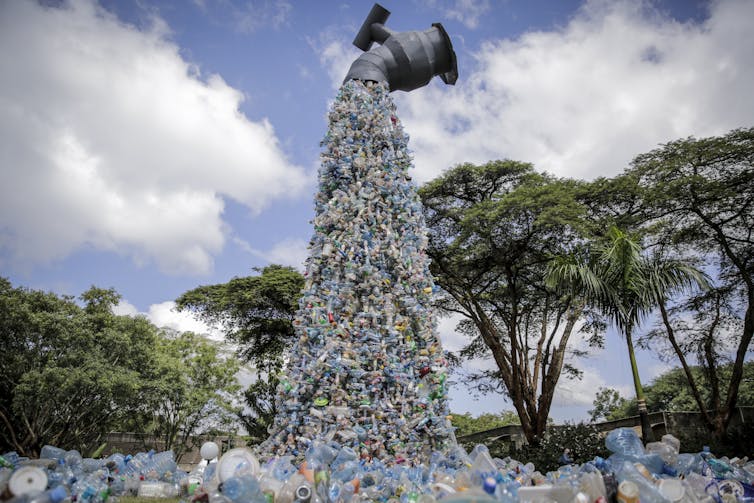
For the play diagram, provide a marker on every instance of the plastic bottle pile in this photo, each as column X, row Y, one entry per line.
column 367, row 369
column 60, row 476
column 332, row 473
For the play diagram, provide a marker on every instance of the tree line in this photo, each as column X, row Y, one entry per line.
column 530, row 261
column 74, row 371
column 662, row 252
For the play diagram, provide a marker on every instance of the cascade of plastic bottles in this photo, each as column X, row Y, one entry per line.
column 367, row 370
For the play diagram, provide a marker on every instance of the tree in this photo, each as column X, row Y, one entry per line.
column 699, row 196
column 72, row 374
column 671, row 392
column 191, row 389
column 493, row 230
column 69, row 374
column 256, row 314
column 466, row 424
column 626, row 286
column 606, row 402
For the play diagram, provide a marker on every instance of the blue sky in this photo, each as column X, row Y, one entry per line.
column 152, row 146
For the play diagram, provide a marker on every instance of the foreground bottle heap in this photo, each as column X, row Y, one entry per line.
column 655, row 473
column 367, row 369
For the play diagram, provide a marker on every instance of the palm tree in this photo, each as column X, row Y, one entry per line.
column 625, row 285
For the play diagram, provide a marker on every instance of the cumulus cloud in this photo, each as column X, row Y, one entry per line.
column 581, row 392
column 467, row 12
column 582, row 100
column 165, row 314
column 125, row 308
column 110, row 140
column 335, row 53
column 292, row 252
column 446, row 329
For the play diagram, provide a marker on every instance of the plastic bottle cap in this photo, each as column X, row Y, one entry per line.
column 303, row 493
column 27, row 480
column 672, row 489
column 628, row 492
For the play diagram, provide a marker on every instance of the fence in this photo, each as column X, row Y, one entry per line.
column 136, row 442
column 662, row 423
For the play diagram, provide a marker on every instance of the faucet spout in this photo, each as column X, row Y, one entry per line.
column 406, row 60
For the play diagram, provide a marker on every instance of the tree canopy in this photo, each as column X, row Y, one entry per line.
column 191, row 388
column 698, row 196
column 492, row 231
column 617, row 278
column 71, row 374
column 671, row 392
column 466, row 424
column 255, row 313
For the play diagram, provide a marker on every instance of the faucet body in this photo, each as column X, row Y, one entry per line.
column 405, row 61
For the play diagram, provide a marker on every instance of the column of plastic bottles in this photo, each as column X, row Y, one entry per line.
column 367, row 369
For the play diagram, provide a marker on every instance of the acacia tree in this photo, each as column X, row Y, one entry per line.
column 699, row 197
column 256, row 313
column 492, row 230
column 626, row 286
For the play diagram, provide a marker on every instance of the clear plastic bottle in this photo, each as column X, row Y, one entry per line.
column 243, row 489
column 73, row 459
column 163, row 464
column 91, row 489
column 52, row 452
column 624, row 441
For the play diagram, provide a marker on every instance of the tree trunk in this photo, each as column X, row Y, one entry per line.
column 686, row 369
column 646, row 427
column 738, row 364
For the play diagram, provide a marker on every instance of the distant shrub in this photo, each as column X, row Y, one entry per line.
column 584, row 441
column 738, row 442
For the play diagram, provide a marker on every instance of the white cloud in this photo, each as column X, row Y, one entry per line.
column 110, row 140
column 446, row 329
column 656, row 369
column 467, row 12
column 292, row 252
column 165, row 314
column 335, row 54
column 584, row 99
column 582, row 391
column 125, row 308
column 247, row 17
column 255, row 15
